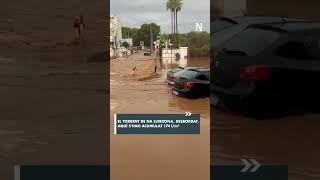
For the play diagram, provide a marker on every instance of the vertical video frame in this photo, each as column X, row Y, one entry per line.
column 160, row 73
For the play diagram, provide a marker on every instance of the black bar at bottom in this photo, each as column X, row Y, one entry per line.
column 263, row 173
column 62, row 172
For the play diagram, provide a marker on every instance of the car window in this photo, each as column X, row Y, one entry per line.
column 293, row 49
column 220, row 24
column 189, row 74
column 301, row 49
column 202, row 77
column 250, row 41
column 218, row 38
column 179, row 73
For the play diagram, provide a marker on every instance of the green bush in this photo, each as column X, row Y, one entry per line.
column 199, row 52
column 197, row 42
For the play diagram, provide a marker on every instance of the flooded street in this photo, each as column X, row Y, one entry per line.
column 291, row 141
column 185, row 157
column 46, row 113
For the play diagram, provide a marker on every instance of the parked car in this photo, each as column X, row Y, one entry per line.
column 173, row 74
column 193, row 83
column 171, row 77
column 147, row 52
column 269, row 69
column 223, row 28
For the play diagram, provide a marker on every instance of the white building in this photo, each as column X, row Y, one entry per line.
column 115, row 32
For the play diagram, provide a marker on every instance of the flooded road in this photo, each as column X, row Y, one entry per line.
column 292, row 141
column 50, row 113
column 185, row 157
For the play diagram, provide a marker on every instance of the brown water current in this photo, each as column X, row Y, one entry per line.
column 157, row 157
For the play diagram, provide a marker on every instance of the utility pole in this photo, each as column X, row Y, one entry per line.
column 170, row 54
column 151, row 40
column 116, row 45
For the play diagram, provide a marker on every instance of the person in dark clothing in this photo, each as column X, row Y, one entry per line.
column 77, row 26
column 82, row 28
column 82, row 24
column 134, row 69
column 155, row 65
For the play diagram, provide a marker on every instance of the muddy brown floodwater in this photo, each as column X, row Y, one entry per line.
column 156, row 157
column 292, row 141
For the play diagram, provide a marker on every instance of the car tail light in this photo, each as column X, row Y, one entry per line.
column 255, row 72
column 189, row 84
column 173, row 78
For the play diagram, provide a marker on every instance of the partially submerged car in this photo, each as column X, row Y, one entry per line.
column 193, row 83
column 269, row 69
column 173, row 74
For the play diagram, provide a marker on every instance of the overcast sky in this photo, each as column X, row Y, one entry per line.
column 133, row 13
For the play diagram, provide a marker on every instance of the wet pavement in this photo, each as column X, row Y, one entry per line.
column 185, row 157
column 291, row 141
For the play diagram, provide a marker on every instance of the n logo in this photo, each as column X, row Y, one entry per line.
column 199, row 27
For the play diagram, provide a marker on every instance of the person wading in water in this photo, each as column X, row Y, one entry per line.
column 79, row 26
column 134, row 69
column 76, row 26
column 155, row 65
column 82, row 27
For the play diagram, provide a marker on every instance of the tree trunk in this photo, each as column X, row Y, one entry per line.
column 177, row 29
column 174, row 29
column 171, row 22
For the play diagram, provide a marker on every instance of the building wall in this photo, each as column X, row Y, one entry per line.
column 115, row 30
column 289, row 8
column 168, row 56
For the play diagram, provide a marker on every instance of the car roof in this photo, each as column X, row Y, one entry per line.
column 188, row 68
column 289, row 26
column 195, row 67
column 253, row 19
column 199, row 69
column 243, row 22
column 257, row 19
column 179, row 67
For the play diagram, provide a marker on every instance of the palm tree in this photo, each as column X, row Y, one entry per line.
column 177, row 5
column 170, row 4
column 174, row 6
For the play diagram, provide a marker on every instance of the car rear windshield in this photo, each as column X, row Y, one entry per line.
column 219, row 25
column 179, row 73
column 251, row 41
column 189, row 74
column 176, row 69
